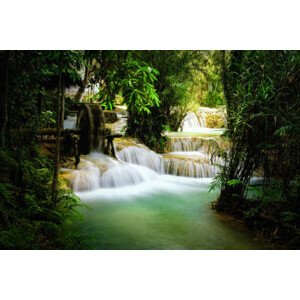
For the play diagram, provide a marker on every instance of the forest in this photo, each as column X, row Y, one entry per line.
column 157, row 149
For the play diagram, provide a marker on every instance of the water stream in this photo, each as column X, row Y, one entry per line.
column 145, row 200
column 167, row 213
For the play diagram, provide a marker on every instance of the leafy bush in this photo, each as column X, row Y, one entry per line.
column 28, row 219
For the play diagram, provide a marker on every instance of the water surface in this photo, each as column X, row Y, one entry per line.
column 166, row 213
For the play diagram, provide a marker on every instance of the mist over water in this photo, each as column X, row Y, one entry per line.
column 136, row 204
column 168, row 212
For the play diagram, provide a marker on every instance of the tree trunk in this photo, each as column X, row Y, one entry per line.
column 225, row 87
column 83, row 83
column 59, row 103
column 39, row 108
column 3, row 95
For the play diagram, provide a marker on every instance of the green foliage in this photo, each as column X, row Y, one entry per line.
column 233, row 182
column 138, row 89
column 260, row 117
column 120, row 75
column 47, row 119
column 172, row 87
column 208, row 87
column 135, row 84
column 262, row 99
column 160, row 86
column 28, row 219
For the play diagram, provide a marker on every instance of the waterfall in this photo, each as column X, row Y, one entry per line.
column 202, row 118
column 126, row 174
column 205, row 117
column 191, row 156
column 182, row 166
column 86, row 178
column 212, row 117
column 190, row 122
column 71, row 121
column 188, row 156
column 100, row 171
column 177, row 144
column 141, row 156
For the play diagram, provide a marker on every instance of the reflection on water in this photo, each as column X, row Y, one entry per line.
column 166, row 213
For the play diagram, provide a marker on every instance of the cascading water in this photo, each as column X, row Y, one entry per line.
column 134, row 205
column 202, row 118
column 189, row 164
column 124, row 174
column 205, row 117
column 100, row 171
column 71, row 121
column 191, row 156
column 190, row 122
column 190, row 151
column 202, row 144
column 143, row 157
column 86, row 178
column 188, row 156
column 189, row 168
column 212, row 117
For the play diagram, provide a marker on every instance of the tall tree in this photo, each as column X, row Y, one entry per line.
column 59, row 124
column 263, row 106
column 4, row 56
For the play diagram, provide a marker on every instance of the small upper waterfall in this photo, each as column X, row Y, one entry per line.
column 177, row 144
column 212, row 117
column 190, row 122
column 71, row 121
column 205, row 117
column 202, row 118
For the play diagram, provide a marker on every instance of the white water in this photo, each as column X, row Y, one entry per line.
column 97, row 171
column 70, row 122
column 162, row 183
column 124, row 174
column 86, row 178
column 189, row 168
column 202, row 118
column 189, row 156
column 141, row 156
column 188, row 144
column 160, row 211
column 190, row 122
column 138, row 164
column 199, row 121
column 100, row 171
